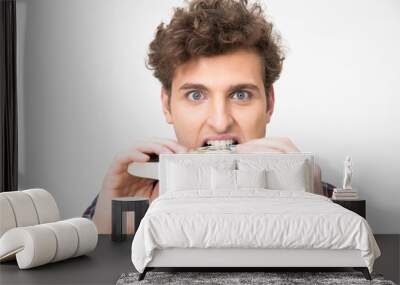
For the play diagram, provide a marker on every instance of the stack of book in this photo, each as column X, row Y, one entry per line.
column 344, row 194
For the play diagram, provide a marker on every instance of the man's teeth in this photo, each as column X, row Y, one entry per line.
column 220, row 143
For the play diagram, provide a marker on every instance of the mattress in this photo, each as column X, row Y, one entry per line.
column 250, row 219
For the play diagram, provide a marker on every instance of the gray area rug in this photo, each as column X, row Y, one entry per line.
column 228, row 278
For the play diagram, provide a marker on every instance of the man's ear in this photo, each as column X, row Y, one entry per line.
column 165, row 102
column 270, row 103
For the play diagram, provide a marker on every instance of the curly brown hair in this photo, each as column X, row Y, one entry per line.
column 214, row 27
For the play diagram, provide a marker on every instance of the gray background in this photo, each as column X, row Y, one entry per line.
column 84, row 93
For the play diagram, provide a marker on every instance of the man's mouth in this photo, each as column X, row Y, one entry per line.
column 220, row 142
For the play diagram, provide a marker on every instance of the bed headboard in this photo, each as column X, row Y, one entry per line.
column 249, row 161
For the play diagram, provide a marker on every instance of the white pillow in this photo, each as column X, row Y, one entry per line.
column 282, row 173
column 235, row 179
column 182, row 177
column 193, row 174
column 251, row 178
column 293, row 179
column 223, row 179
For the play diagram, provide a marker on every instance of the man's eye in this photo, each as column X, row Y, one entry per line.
column 241, row 95
column 195, row 96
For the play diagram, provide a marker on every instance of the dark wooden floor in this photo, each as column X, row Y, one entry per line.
column 389, row 262
column 110, row 260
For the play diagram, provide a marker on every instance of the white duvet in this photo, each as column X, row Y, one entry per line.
column 250, row 219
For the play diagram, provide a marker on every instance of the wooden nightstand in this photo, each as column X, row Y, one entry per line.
column 138, row 205
column 357, row 206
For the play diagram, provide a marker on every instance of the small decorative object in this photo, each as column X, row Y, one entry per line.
column 347, row 192
column 348, row 173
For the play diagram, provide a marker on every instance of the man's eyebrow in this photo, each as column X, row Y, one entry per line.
column 250, row 86
column 231, row 88
column 198, row 86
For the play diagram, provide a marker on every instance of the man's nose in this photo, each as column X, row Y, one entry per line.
column 220, row 117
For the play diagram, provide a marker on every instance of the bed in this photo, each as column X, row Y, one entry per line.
column 247, row 210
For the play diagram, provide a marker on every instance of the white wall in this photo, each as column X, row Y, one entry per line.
column 85, row 94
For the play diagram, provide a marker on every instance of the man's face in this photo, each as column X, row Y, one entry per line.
column 218, row 98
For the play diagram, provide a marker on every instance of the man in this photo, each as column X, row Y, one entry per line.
column 217, row 61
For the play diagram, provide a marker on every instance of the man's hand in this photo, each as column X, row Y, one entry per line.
column 280, row 145
column 270, row 144
column 119, row 183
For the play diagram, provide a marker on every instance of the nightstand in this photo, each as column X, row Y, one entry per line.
column 138, row 205
column 357, row 206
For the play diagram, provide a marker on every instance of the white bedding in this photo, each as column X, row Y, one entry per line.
column 252, row 218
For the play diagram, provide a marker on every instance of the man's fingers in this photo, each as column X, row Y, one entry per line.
column 283, row 145
column 151, row 147
column 139, row 153
column 122, row 160
column 249, row 148
column 171, row 144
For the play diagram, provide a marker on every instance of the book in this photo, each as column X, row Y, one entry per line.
column 345, row 196
column 339, row 190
